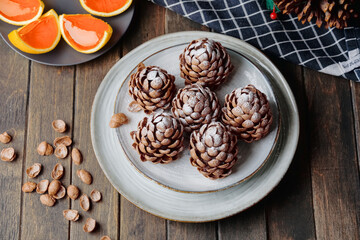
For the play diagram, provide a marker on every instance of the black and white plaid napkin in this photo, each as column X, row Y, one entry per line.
column 330, row 51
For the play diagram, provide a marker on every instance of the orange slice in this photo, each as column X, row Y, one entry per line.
column 105, row 8
column 84, row 32
column 39, row 36
column 20, row 12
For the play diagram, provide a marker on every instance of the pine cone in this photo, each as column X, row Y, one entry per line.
column 194, row 106
column 206, row 62
column 330, row 13
column 248, row 113
column 159, row 138
column 213, row 150
column 152, row 87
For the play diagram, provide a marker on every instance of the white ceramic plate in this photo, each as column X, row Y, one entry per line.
column 180, row 175
column 177, row 205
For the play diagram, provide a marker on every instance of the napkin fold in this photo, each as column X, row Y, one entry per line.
column 331, row 51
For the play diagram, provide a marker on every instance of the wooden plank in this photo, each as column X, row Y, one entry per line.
column 355, row 94
column 289, row 206
column 250, row 224
column 105, row 212
column 177, row 230
column 334, row 172
column 51, row 97
column 14, row 71
column 135, row 223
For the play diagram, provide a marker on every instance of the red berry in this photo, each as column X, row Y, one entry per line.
column 273, row 15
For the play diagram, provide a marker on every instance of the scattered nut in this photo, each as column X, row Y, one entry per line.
column 134, row 107
column 47, row 200
column 84, row 176
column 8, row 154
column 90, row 225
column 57, row 172
column 45, row 149
column 54, row 187
column 42, row 186
column 59, row 126
column 105, row 238
column 34, row 170
column 71, row 215
column 117, row 120
column 76, row 156
column 66, row 140
column 28, row 187
column 5, row 137
column 95, row 195
column 61, row 151
column 73, row 192
column 61, row 193
column 84, row 202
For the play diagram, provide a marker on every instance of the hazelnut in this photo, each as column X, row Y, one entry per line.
column 84, row 176
column 8, row 154
column 66, row 140
column 42, row 186
column 34, row 170
column 61, row 151
column 28, row 187
column 90, row 225
column 117, row 120
column 47, row 200
column 95, row 195
column 54, row 187
column 76, row 156
column 71, row 215
column 59, row 126
column 57, row 172
column 73, row 192
column 5, row 137
column 45, row 149
column 84, row 202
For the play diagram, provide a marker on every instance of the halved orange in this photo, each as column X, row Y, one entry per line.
column 84, row 32
column 105, row 8
column 39, row 36
column 20, row 12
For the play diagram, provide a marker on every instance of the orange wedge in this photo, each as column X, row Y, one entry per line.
column 20, row 12
column 39, row 36
column 84, row 32
column 105, row 8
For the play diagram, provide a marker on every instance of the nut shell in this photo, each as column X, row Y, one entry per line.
column 54, row 187
column 117, row 120
column 8, row 154
column 152, row 87
column 34, row 170
column 73, row 192
column 61, row 151
column 59, row 125
column 84, row 176
column 159, row 138
column 84, row 202
column 71, row 215
column 28, row 187
column 5, row 138
column 76, row 156
column 47, row 200
column 248, row 114
column 58, row 171
column 61, row 193
column 95, row 195
column 206, row 62
column 45, row 149
column 194, row 106
column 89, row 225
column 65, row 140
column 42, row 186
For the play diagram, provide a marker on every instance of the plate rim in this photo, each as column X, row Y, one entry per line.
column 222, row 188
column 285, row 163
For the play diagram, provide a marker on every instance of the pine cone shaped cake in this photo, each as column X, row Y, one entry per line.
column 247, row 111
column 152, row 87
column 330, row 13
column 206, row 62
column 213, row 150
column 159, row 138
column 195, row 105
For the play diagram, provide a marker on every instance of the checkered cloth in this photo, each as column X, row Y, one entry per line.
column 332, row 51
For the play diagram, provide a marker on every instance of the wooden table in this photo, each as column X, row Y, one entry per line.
column 319, row 196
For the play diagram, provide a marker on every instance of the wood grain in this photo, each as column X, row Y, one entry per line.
column 51, row 97
column 136, row 224
column 289, row 206
column 105, row 212
column 334, row 172
column 13, row 103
